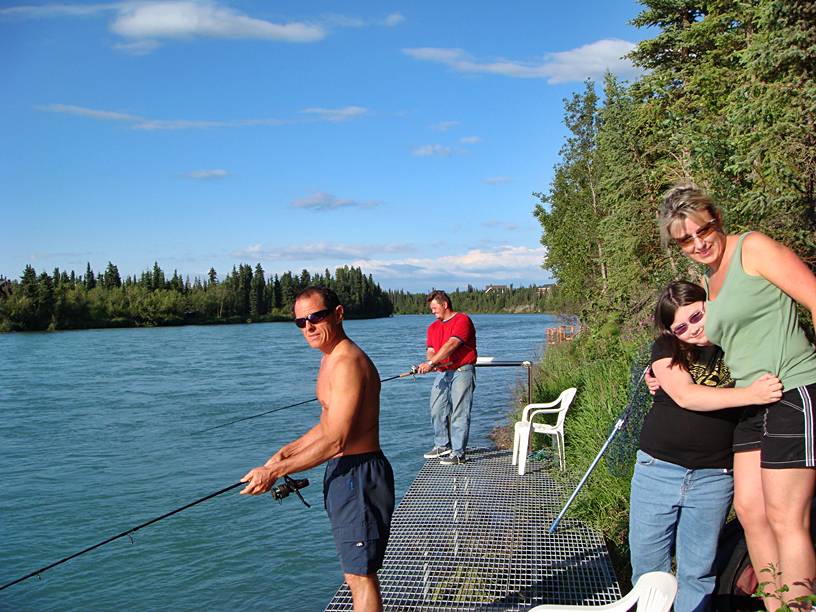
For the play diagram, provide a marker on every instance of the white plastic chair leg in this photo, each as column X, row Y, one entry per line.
column 559, row 447
column 516, row 436
column 524, row 442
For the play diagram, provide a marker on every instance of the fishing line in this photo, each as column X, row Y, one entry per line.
column 410, row 372
column 290, row 485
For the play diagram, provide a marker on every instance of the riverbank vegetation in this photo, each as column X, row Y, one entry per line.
column 728, row 101
column 63, row 300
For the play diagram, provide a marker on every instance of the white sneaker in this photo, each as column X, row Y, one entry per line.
column 452, row 460
column 436, row 452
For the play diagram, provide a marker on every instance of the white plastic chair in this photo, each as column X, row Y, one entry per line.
column 526, row 427
column 653, row 592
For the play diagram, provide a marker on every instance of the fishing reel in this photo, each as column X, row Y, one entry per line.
column 289, row 486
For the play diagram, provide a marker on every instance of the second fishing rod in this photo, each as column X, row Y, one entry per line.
column 410, row 372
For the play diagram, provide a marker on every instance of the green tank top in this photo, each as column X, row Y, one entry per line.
column 756, row 325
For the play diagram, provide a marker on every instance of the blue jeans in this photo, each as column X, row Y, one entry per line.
column 675, row 508
column 451, row 400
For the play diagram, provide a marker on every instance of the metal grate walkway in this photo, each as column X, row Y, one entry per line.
column 474, row 537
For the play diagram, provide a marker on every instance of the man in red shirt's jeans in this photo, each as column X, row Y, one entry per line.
column 451, row 351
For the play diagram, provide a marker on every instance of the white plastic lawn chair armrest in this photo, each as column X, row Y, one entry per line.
column 529, row 407
column 535, row 413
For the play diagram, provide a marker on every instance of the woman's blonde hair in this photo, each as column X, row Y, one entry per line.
column 681, row 202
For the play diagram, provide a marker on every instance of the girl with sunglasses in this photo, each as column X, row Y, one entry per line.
column 682, row 485
column 753, row 284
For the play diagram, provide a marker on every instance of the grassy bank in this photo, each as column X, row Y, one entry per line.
column 599, row 367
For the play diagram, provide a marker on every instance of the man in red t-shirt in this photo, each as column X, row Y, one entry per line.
column 451, row 351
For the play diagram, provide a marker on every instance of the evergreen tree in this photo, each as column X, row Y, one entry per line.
column 257, row 300
column 157, row 280
column 90, row 279
column 112, row 278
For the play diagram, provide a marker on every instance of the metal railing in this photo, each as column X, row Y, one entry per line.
column 491, row 362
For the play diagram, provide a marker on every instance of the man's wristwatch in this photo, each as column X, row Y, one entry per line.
column 430, row 363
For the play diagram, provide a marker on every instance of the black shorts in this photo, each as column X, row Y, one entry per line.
column 789, row 433
column 358, row 493
column 749, row 429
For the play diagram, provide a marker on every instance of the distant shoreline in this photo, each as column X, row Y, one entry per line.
column 236, row 320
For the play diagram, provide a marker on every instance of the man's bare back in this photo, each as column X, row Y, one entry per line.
column 346, row 373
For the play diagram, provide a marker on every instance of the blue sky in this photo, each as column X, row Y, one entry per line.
column 403, row 138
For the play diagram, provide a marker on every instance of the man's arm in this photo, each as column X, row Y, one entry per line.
column 678, row 384
column 324, row 440
column 440, row 356
column 294, row 446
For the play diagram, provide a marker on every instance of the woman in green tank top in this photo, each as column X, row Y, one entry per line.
column 753, row 284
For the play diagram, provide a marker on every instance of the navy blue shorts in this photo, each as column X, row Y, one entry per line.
column 358, row 493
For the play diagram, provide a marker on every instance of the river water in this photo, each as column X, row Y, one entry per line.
column 98, row 435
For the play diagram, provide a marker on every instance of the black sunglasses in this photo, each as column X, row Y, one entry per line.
column 683, row 327
column 315, row 317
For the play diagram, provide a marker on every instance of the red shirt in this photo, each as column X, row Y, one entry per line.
column 458, row 326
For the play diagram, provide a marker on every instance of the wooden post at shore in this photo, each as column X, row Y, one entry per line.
column 563, row 333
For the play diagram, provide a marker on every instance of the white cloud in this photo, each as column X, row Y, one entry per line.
column 139, row 47
column 144, row 23
column 590, row 60
column 504, row 263
column 145, row 123
column 337, row 115
column 57, row 10
column 444, row 126
column 470, row 140
column 332, row 254
column 333, row 20
column 328, row 201
column 495, row 224
column 429, row 150
column 394, row 19
column 496, row 180
column 101, row 115
column 203, row 175
column 205, row 20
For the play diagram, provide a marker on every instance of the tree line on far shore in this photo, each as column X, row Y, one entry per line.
column 489, row 300
column 65, row 300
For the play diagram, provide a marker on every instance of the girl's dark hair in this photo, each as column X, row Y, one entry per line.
column 677, row 294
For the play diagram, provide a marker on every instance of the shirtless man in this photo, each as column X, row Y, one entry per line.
column 358, row 488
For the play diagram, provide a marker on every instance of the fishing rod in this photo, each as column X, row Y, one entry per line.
column 290, row 485
column 410, row 372
column 615, row 429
